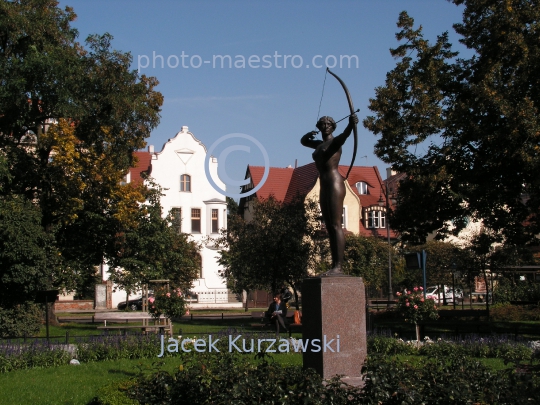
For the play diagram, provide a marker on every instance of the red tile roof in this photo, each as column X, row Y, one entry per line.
column 286, row 183
column 143, row 164
column 302, row 182
column 276, row 184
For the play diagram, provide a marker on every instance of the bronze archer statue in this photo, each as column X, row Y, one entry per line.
column 332, row 192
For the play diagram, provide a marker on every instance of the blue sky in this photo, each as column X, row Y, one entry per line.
column 276, row 104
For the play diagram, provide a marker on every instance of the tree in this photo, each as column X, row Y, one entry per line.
column 153, row 249
column 71, row 117
column 441, row 259
column 28, row 258
column 367, row 257
column 476, row 118
column 275, row 247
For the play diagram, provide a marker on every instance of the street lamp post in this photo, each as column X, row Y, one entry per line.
column 384, row 203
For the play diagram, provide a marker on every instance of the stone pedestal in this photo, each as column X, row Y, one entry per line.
column 334, row 308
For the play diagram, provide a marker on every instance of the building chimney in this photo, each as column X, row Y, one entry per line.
column 295, row 163
column 151, row 148
column 389, row 172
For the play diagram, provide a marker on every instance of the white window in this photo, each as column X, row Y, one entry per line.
column 376, row 219
column 362, row 187
column 185, row 183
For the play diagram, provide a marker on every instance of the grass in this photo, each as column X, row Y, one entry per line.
column 77, row 385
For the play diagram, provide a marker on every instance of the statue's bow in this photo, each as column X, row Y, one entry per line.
column 351, row 108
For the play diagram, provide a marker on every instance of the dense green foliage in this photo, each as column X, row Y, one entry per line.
column 367, row 257
column 510, row 290
column 514, row 313
column 476, row 118
column 228, row 380
column 28, row 257
column 152, row 249
column 439, row 378
column 276, row 246
column 70, row 117
column 20, row 320
column 442, row 379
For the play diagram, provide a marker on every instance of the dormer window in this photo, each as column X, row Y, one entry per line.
column 362, row 187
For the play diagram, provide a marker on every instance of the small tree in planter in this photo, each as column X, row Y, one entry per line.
column 415, row 309
column 169, row 304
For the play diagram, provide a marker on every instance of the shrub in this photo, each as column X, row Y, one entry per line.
column 442, row 380
column 170, row 304
column 508, row 290
column 14, row 356
column 229, row 379
column 509, row 312
column 414, row 308
column 21, row 320
column 389, row 346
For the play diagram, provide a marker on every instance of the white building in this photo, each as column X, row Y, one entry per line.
column 179, row 170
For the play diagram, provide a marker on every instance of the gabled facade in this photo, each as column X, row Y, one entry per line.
column 363, row 213
column 201, row 211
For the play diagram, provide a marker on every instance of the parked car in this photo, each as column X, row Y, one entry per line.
column 134, row 304
column 435, row 294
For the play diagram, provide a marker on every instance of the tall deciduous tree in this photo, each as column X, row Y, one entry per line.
column 476, row 119
column 70, row 118
column 275, row 247
column 367, row 257
column 151, row 248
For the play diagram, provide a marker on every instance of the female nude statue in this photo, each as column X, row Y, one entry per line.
column 332, row 193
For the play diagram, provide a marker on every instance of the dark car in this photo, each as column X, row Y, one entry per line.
column 134, row 304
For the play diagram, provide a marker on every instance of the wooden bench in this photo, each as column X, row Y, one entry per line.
column 263, row 321
column 378, row 303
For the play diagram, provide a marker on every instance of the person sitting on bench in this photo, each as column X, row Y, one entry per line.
column 277, row 311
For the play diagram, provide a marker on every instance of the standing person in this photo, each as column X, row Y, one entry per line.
column 332, row 193
column 276, row 313
column 286, row 294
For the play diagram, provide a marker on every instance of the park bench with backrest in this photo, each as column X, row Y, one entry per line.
column 264, row 321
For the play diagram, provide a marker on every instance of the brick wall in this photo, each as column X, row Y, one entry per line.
column 60, row 306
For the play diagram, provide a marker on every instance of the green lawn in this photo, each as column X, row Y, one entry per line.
column 77, row 385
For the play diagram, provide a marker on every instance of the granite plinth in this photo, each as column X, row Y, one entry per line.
column 334, row 308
